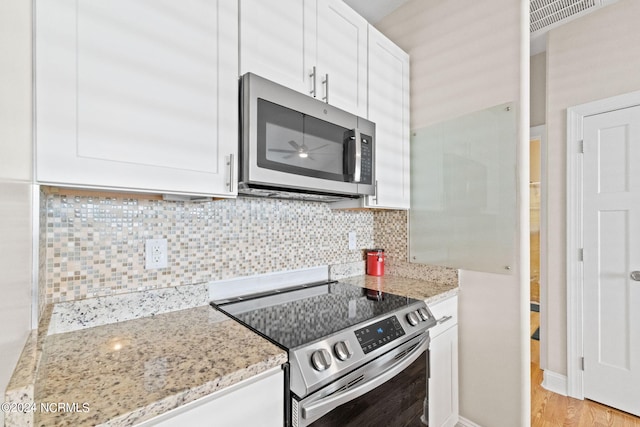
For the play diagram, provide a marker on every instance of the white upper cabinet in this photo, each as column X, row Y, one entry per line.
column 276, row 41
column 342, row 56
column 317, row 47
column 138, row 95
column 389, row 110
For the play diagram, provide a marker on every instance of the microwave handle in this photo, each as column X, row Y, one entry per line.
column 355, row 163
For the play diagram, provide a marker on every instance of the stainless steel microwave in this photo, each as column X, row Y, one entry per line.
column 295, row 146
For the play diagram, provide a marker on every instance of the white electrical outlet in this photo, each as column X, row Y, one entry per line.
column 352, row 240
column 155, row 254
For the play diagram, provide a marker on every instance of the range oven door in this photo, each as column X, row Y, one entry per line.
column 290, row 140
column 389, row 391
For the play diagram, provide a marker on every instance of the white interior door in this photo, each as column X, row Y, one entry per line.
column 611, row 233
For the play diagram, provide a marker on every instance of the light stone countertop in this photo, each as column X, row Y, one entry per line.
column 431, row 292
column 131, row 371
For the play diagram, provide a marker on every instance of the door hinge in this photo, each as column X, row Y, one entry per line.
column 582, row 363
column 580, row 254
column 581, row 146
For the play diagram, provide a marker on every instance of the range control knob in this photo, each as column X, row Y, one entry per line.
column 343, row 351
column 412, row 318
column 424, row 314
column 321, row 359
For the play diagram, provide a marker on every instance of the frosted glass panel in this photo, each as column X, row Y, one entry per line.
column 463, row 192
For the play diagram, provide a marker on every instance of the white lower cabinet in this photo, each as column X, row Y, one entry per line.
column 443, row 369
column 256, row 401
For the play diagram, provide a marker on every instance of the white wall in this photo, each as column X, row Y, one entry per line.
column 538, row 92
column 15, row 183
column 467, row 56
column 594, row 57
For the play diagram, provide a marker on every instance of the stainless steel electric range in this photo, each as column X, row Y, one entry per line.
column 356, row 356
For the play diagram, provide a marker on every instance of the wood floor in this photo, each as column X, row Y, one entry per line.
column 553, row 410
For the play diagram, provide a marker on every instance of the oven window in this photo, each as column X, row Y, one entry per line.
column 397, row 403
column 289, row 141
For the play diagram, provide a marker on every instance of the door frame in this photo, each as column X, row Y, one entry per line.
column 575, row 277
column 540, row 132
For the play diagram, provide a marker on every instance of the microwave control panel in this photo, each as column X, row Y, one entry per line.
column 367, row 160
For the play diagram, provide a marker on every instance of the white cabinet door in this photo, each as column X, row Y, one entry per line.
column 277, row 41
column 443, row 365
column 137, row 95
column 443, row 380
column 286, row 41
column 258, row 401
column 342, row 56
column 389, row 110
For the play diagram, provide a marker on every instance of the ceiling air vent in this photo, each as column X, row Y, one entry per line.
column 547, row 14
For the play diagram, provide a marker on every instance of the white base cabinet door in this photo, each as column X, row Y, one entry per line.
column 137, row 95
column 389, row 110
column 317, row 47
column 443, row 366
column 254, row 402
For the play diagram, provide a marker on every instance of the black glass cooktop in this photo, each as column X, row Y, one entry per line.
column 293, row 318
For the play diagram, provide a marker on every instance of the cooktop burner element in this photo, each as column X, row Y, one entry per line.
column 297, row 317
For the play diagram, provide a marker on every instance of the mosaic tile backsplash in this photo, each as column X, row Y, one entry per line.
column 94, row 245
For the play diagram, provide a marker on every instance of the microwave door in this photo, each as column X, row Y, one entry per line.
column 299, row 150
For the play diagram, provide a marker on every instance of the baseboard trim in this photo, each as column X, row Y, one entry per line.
column 555, row 382
column 463, row 422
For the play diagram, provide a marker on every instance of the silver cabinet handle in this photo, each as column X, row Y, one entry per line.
column 635, row 275
column 326, row 88
column 375, row 192
column 444, row 319
column 312, row 76
column 230, row 164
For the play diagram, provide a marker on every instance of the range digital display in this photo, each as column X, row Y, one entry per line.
column 378, row 334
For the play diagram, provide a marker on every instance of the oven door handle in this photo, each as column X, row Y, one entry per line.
column 325, row 405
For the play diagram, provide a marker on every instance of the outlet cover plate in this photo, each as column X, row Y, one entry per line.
column 352, row 240
column 155, row 254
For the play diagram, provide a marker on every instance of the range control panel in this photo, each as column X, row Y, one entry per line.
column 378, row 334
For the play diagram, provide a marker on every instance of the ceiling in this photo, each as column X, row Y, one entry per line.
column 544, row 14
column 375, row 10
